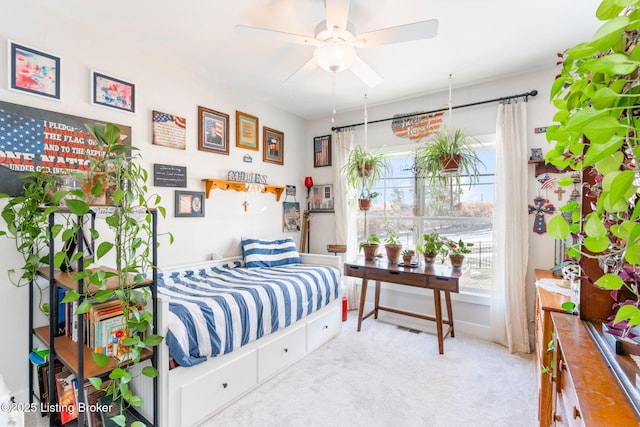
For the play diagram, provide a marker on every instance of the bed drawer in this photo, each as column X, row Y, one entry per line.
column 205, row 395
column 282, row 352
column 322, row 329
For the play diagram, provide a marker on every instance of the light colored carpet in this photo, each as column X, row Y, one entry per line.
column 385, row 376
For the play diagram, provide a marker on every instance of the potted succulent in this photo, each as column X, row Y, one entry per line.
column 447, row 155
column 431, row 245
column 370, row 246
column 407, row 256
column 457, row 251
column 362, row 169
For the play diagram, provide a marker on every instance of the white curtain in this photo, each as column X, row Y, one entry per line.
column 508, row 305
column 346, row 214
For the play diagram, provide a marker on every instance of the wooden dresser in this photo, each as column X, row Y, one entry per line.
column 578, row 389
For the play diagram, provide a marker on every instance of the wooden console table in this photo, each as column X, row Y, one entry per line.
column 437, row 277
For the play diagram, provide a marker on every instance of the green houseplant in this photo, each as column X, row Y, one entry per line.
column 362, row 169
column 596, row 129
column 407, row 256
column 370, row 246
column 131, row 222
column 431, row 245
column 392, row 243
column 457, row 251
column 445, row 157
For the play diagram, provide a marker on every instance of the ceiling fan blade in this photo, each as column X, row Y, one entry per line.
column 365, row 73
column 304, row 70
column 337, row 15
column 276, row 35
column 402, row 33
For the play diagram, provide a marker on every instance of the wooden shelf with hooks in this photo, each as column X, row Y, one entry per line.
column 221, row 184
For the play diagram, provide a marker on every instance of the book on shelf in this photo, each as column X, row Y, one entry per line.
column 114, row 409
column 44, row 387
column 68, row 406
column 92, row 395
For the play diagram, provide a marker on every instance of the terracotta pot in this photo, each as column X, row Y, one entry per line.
column 456, row 260
column 393, row 253
column 370, row 251
column 406, row 260
column 450, row 164
column 365, row 204
column 367, row 170
column 429, row 258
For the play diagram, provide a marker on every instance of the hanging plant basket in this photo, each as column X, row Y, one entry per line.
column 365, row 204
column 450, row 164
column 366, row 172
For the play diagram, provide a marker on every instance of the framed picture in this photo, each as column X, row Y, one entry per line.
column 189, row 203
column 169, row 130
column 272, row 146
column 247, row 127
column 112, row 92
column 322, row 151
column 290, row 216
column 213, row 131
column 321, row 198
column 34, row 71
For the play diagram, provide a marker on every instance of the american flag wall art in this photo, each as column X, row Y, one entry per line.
column 169, row 130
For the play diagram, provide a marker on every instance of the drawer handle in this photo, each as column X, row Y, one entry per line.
column 286, row 350
column 326, row 327
column 354, row 267
column 394, row 272
column 443, row 279
column 225, row 385
column 576, row 413
column 557, row 417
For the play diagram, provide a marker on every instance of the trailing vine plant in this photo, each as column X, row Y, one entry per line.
column 114, row 169
column 597, row 95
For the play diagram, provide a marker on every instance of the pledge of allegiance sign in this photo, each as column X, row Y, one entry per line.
column 416, row 127
column 32, row 139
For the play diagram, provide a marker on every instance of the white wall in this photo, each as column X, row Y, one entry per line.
column 160, row 86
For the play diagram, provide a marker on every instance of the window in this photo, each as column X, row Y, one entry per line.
column 412, row 209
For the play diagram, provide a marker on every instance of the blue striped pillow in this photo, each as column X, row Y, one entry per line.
column 269, row 253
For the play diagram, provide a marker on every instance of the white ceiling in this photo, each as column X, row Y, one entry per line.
column 478, row 40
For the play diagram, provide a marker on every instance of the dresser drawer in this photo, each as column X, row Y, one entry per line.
column 203, row 396
column 282, row 352
column 354, row 270
column 443, row 283
column 322, row 329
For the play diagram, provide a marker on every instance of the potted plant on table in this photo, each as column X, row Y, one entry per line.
column 407, row 256
column 393, row 246
column 362, row 169
column 457, row 251
column 431, row 245
column 446, row 157
column 370, row 246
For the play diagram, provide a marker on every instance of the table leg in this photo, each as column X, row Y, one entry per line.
column 438, row 304
column 377, row 301
column 363, row 296
column 447, row 298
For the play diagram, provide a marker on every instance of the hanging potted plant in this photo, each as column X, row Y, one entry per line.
column 447, row 155
column 362, row 169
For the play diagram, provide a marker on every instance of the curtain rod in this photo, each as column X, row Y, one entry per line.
column 404, row 116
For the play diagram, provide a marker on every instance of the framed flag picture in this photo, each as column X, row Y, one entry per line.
column 322, row 151
column 169, row 130
column 213, row 131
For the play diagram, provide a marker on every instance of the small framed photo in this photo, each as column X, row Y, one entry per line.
column 322, row 151
column 536, row 154
column 213, row 131
column 247, row 127
column 272, row 146
column 321, row 198
column 34, row 71
column 113, row 92
column 189, row 203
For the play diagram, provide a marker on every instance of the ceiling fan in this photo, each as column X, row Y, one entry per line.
column 335, row 41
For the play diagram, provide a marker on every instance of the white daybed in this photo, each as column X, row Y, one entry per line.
column 189, row 395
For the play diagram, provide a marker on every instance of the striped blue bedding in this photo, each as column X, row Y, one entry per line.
column 216, row 310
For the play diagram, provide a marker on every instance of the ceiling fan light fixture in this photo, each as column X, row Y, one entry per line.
column 335, row 56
